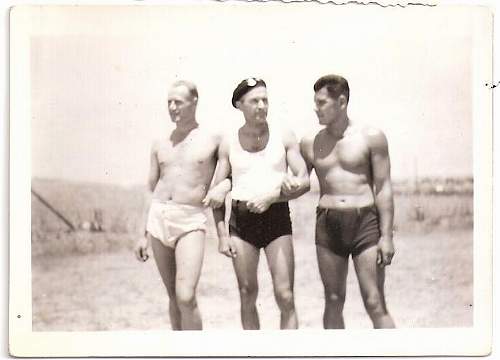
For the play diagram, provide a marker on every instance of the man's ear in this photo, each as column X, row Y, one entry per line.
column 342, row 100
column 238, row 104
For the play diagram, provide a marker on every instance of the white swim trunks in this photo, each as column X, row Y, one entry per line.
column 169, row 221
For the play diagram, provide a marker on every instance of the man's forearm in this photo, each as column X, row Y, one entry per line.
column 145, row 211
column 385, row 206
column 224, row 186
column 219, row 218
column 304, row 186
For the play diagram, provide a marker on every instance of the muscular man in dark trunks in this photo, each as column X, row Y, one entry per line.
column 355, row 210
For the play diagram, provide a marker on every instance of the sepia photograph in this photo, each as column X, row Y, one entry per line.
column 319, row 173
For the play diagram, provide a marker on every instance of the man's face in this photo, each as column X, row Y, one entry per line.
column 254, row 105
column 181, row 105
column 327, row 109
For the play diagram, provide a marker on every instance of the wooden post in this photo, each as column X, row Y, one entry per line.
column 53, row 210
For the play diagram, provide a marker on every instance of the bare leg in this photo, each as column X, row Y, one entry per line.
column 280, row 259
column 371, row 283
column 165, row 261
column 245, row 266
column 333, row 271
column 189, row 258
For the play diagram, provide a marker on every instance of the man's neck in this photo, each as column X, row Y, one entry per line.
column 256, row 128
column 338, row 128
column 186, row 125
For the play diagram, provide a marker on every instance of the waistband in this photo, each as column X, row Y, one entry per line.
column 172, row 203
column 243, row 204
column 356, row 210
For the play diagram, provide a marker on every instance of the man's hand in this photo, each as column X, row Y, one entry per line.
column 214, row 199
column 261, row 203
column 141, row 249
column 385, row 251
column 226, row 247
column 290, row 185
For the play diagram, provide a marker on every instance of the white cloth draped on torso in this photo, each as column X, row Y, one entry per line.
column 257, row 173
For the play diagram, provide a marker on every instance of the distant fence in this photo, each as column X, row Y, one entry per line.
column 435, row 186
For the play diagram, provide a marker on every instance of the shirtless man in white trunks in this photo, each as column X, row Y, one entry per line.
column 355, row 210
column 258, row 156
column 182, row 166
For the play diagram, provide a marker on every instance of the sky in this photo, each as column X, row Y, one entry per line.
column 100, row 75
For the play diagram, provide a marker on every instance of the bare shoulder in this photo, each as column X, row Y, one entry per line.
column 375, row 138
column 211, row 133
column 210, row 138
column 288, row 136
column 285, row 134
column 221, row 137
column 224, row 142
column 155, row 145
column 308, row 139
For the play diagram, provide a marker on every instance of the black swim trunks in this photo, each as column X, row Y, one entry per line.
column 260, row 229
column 347, row 231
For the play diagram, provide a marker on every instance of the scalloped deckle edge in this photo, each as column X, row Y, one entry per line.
column 381, row 3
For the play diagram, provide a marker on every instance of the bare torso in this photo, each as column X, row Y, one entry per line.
column 186, row 166
column 343, row 167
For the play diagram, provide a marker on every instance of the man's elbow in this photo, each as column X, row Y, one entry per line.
column 219, row 213
column 382, row 186
column 305, row 187
column 304, row 190
column 228, row 184
column 385, row 198
column 151, row 185
column 306, row 183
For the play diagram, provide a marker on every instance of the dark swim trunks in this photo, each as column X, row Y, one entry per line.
column 347, row 231
column 260, row 229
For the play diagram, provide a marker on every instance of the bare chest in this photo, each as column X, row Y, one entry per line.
column 191, row 152
column 351, row 155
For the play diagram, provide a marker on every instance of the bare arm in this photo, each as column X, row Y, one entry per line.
column 153, row 178
column 304, row 144
column 154, row 169
column 298, row 184
column 221, row 175
column 220, row 186
column 142, row 246
column 381, row 171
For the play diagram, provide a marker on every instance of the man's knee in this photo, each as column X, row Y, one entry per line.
column 185, row 297
column 335, row 300
column 248, row 292
column 374, row 305
column 284, row 298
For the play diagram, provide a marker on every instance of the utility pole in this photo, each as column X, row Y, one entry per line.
column 416, row 187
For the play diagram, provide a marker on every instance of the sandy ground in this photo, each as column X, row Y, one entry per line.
column 428, row 285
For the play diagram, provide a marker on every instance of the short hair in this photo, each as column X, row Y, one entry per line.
column 336, row 85
column 193, row 91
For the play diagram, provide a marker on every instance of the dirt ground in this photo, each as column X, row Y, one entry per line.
column 428, row 285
